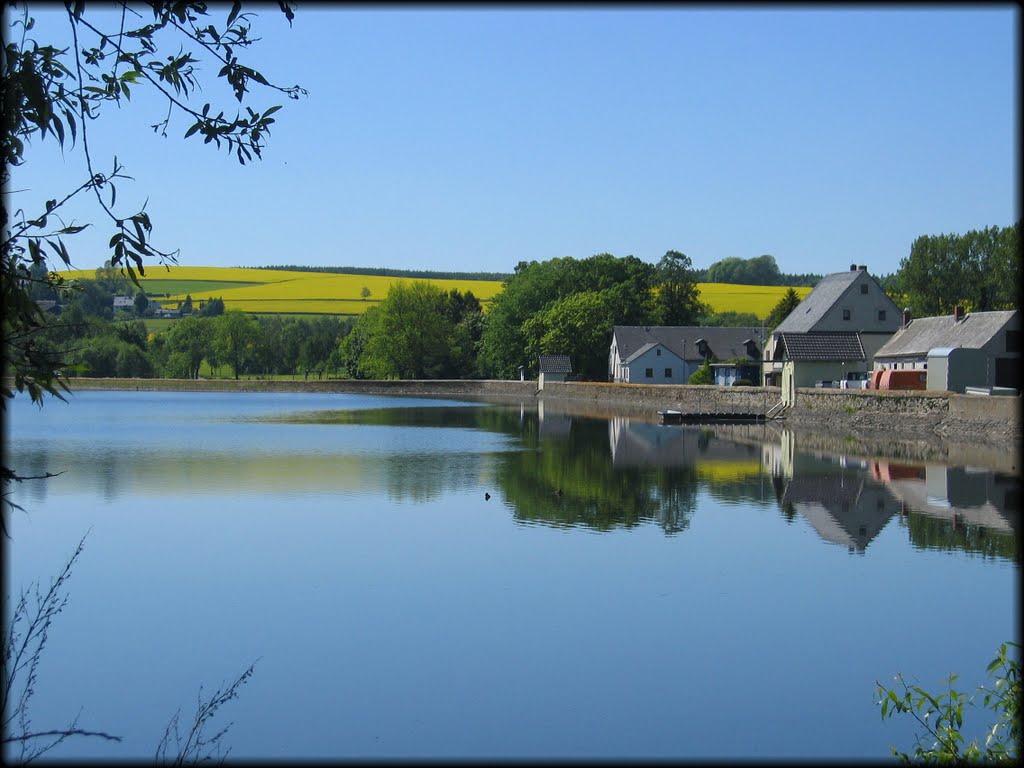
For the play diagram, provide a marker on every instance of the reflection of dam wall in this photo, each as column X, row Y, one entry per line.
column 639, row 444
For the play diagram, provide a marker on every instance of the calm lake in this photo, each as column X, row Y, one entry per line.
column 628, row 590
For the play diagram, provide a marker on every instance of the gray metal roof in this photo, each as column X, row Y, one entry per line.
column 725, row 343
column 974, row 330
column 554, row 364
column 841, row 345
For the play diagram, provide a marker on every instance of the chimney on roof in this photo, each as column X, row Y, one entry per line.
column 906, row 317
column 853, row 267
column 863, row 267
column 958, row 313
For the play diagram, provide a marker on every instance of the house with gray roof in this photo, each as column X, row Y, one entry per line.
column 834, row 332
column 669, row 354
column 993, row 339
column 553, row 368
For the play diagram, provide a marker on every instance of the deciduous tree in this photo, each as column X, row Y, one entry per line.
column 189, row 341
column 235, row 335
column 678, row 298
column 578, row 325
column 623, row 286
column 979, row 270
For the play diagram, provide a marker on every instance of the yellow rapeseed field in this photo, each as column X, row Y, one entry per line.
column 267, row 291
column 719, row 472
column 759, row 299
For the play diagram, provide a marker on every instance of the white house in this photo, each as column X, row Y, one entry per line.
column 669, row 354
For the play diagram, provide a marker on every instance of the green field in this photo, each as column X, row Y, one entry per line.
column 280, row 292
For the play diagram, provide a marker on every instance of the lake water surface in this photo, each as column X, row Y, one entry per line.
column 628, row 590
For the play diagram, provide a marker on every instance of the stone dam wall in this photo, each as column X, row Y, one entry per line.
column 969, row 418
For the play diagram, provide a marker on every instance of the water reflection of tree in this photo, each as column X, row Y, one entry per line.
column 425, row 477
column 570, row 481
column 929, row 532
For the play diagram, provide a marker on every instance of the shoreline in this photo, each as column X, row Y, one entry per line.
column 926, row 425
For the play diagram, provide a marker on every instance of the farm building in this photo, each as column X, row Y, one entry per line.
column 965, row 349
column 670, row 354
column 843, row 305
column 553, row 368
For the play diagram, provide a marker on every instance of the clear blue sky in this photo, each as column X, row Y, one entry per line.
column 470, row 138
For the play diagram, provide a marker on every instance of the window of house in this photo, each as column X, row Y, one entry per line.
column 863, row 287
column 649, row 373
column 658, row 352
column 668, row 373
column 881, row 314
column 1013, row 341
column 846, row 314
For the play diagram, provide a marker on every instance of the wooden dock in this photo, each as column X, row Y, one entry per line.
column 678, row 417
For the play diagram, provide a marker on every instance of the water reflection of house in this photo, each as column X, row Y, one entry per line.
column 959, row 494
column 845, row 508
column 643, row 444
column 777, row 458
column 552, row 423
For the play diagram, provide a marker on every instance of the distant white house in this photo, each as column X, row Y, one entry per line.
column 124, row 302
column 670, row 354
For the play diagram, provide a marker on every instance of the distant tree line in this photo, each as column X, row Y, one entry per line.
column 419, row 274
column 759, row 270
column 90, row 338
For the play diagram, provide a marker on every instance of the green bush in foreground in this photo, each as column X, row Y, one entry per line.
column 942, row 716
